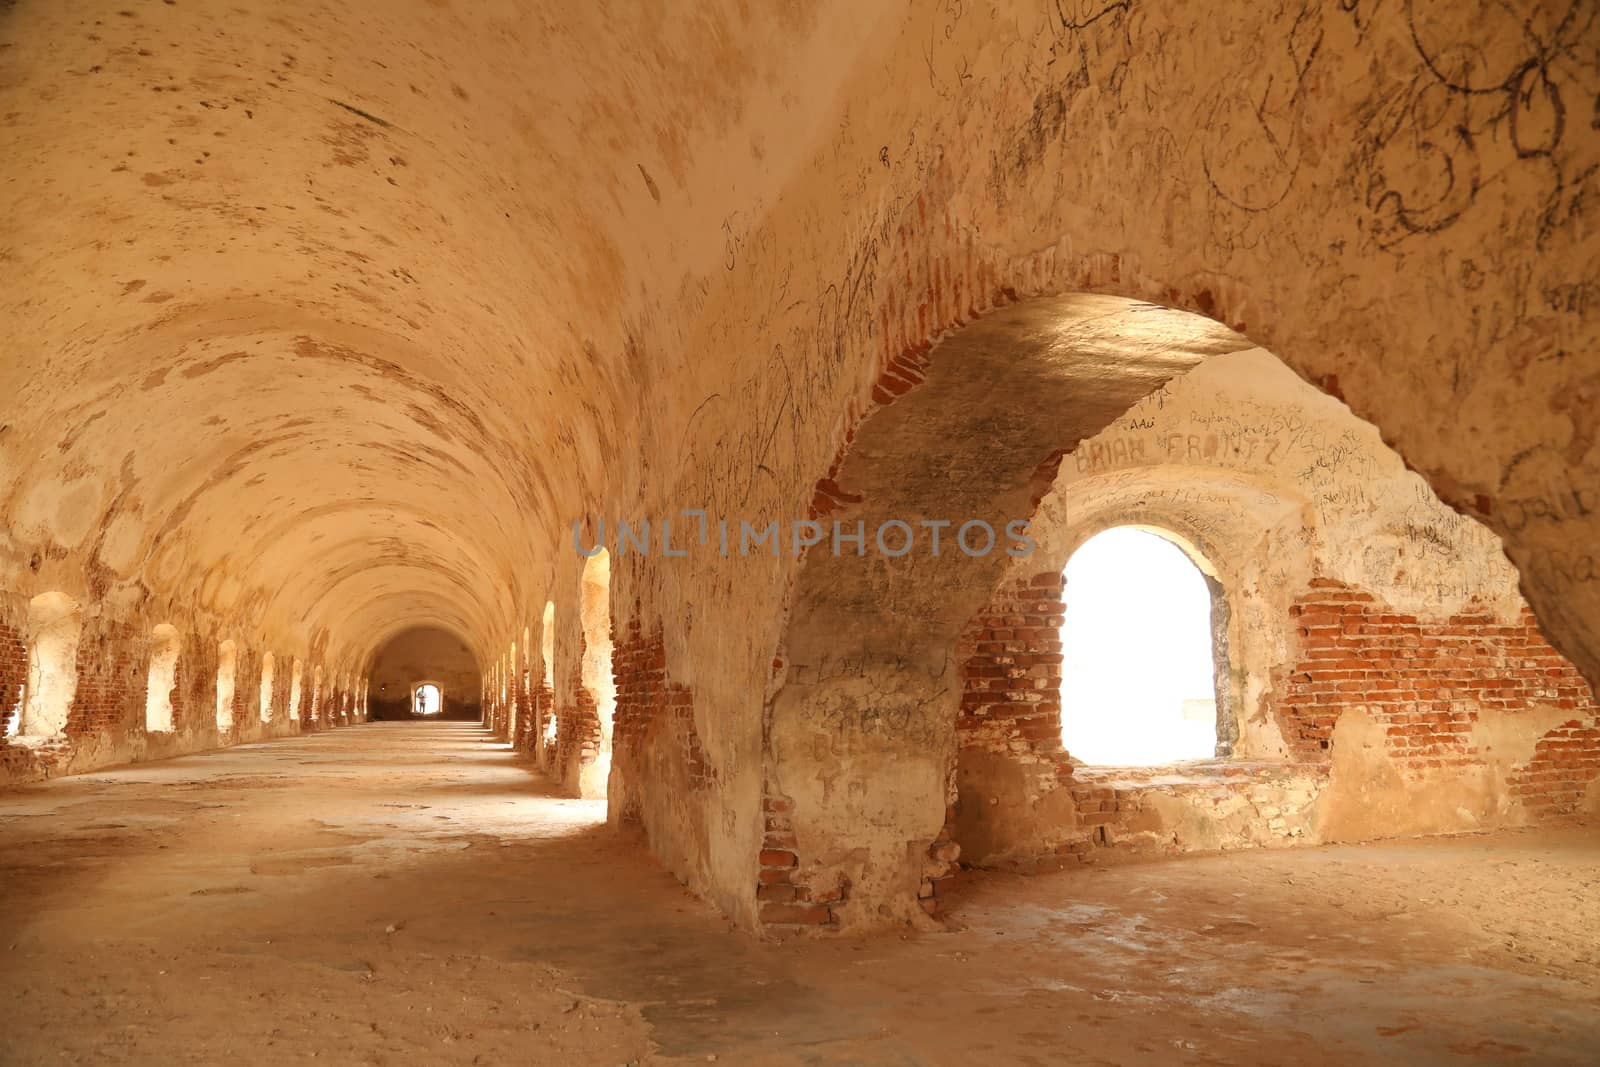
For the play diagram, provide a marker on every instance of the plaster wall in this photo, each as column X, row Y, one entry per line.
column 1383, row 672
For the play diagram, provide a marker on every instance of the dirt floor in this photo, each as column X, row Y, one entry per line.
column 406, row 893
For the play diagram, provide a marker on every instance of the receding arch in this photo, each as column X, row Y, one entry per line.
column 1139, row 672
column 267, row 669
column 227, row 666
column 426, row 654
column 547, row 642
column 509, row 693
column 427, row 699
column 547, row 653
column 525, row 691
column 861, row 717
column 596, row 672
column 165, row 645
column 296, row 680
column 55, row 625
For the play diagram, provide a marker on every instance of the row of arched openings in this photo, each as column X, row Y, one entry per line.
column 1139, row 678
column 55, row 624
column 595, row 673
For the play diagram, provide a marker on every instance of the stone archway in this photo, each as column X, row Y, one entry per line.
column 859, row 731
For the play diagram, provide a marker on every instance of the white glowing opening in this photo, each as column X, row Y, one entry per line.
column 227, row 661
column 547, row 642
column 427, row 699
column 56, row 625
column 163, row 674
column 1137, row 682
column 294, row 691
column 266, row 687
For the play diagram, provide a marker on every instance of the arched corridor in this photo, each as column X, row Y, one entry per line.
column 701, row 427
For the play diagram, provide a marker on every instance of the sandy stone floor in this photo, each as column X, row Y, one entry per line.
column 400, row 894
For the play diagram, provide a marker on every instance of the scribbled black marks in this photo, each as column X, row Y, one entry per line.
column 1305, row 43
column 1421, row 168
column 1252, row 155
column 1074, row 15
column 649, row 183
column 1490, row 77
column 375, row 120
column 1537, row 113
column 733, row 238
column 936, row 55
column 1026, row 148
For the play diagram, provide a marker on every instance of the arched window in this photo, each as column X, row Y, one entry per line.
column 54, row 623
column 547, row 642
column 597, row 676
column 426, row 699
column 164, row 646
column 1138, row 678
column 547, row 651
column 509, row 694
column 266, row 687
column 294, row 690
column 527, row 661
column 227, row 662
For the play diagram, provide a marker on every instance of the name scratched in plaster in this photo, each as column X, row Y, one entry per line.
column 1575, row 502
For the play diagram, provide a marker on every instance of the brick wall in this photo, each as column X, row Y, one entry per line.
column 577, row 727
column 544, row 700
column 246, row 691
column 112, row 677
column 654, row 719
column 194, row 693
column 523, row 698
column 1552, row 784
column 13, row 674
column 1010, row 656
column 106, row 721
column 282, row 681
column 784, row 898
column 22, row 761
column 1425, row 680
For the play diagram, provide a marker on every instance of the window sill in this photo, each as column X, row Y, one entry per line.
column 1197, row 772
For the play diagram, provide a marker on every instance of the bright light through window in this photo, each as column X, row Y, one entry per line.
column 427, row 699
column 1137, row 684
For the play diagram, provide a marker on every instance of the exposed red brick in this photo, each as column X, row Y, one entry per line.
column 654, row 723
column 1425, row 681
column 796, row 914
